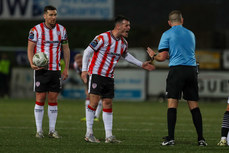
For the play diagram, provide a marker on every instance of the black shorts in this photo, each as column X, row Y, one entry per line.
column 46, row 80
column 99, row 85
column 182, row 79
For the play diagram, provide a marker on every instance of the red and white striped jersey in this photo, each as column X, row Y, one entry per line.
column 49, row 41
column 107, row 52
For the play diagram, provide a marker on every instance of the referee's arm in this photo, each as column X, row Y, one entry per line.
column 160, row 57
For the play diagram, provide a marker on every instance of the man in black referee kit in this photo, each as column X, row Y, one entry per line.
column 178, row 44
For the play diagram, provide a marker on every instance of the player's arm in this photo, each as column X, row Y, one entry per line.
column 30, row 54
column 131, row 59
column 86, row 55
column 66, row 51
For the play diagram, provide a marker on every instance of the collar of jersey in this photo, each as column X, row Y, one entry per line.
column 117, row 39
column 49, row 28
column 177, row 26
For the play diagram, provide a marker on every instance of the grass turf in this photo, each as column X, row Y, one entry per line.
column 140, row 126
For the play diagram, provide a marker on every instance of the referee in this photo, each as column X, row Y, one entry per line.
column 178, row 44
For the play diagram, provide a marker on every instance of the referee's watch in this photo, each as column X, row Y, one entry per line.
column 152, row 58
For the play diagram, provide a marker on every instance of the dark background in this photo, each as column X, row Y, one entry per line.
column 208, row 19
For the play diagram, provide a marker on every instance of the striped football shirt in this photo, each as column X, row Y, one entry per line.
column 107, row 52
column 49, row 41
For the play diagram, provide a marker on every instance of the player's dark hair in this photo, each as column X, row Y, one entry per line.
column 49, row 7
column 120, row 18
column 175, row 16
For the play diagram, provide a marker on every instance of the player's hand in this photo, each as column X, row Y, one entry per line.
column 84, row 76
column 150, row 52
column 36, row 67
column 65, row 74
column 147, row 66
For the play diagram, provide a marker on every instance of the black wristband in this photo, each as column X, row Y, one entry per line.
column 152, row 58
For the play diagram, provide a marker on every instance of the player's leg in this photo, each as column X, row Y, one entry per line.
column 107, row 116
column 52, row 113
column 98, row 110
column 40, row 89
column 94, row 90
column 39, row 112
column 107, row 96
column 54, row 87
column 90, row 114
column 225, row 128
column 108, row 121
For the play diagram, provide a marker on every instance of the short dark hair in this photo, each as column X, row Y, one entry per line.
column 175, row 16
column 120, row 18
column 49, row 7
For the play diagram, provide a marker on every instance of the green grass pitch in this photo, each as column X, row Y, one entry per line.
column 140, row 126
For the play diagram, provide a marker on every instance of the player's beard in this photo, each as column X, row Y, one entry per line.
column 52, row 24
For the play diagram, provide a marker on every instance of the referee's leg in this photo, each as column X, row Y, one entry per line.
column 197, row 118
column 172, row 117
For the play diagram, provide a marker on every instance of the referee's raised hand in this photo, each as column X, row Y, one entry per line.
column 150, row 52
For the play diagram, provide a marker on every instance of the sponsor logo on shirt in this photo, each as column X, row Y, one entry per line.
column 52, row 42
column 115, row 54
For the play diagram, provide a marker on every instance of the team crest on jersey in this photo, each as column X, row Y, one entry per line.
column 58, row 33
column 94, row 85
column 95, row 42
column 122, row 45
column 38, row 84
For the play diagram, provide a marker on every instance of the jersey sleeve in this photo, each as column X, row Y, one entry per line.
column 164, row 43
column 33, row 35
column 96, row 43
column 64, row 36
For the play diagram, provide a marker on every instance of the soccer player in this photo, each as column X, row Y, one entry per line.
column 178, row 44
column 107, row 48
column 50, row 38
column 78, row 67
column 225, row 128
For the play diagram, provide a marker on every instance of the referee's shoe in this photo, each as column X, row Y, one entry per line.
column 202, row 143
column 168, row 142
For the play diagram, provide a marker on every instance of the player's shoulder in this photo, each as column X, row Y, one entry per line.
column 103, row 34
column 60, row 25
column 35, row 28
column 124, row 40
column 100, row 37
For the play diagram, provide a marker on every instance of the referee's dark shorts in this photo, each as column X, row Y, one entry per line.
column 182, row 80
